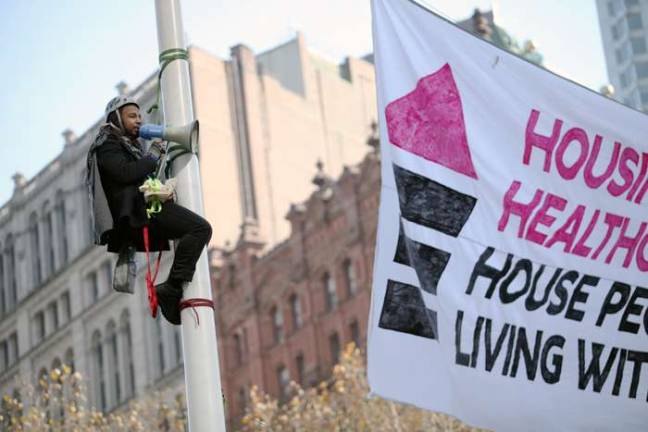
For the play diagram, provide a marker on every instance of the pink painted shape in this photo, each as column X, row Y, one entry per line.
column 428, row 121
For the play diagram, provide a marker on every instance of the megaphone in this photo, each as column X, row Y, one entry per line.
column 186, row 135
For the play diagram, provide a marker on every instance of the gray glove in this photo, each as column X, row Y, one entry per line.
column 157, row 149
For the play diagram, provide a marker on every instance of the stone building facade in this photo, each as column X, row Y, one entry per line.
column 265, row 120
column 286, row 313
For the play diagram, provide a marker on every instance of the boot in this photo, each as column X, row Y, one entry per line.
column 169, row 295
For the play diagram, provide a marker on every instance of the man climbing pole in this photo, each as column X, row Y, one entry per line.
column 117, row 166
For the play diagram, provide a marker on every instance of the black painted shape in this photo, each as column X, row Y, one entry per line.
column 428, row 262
column 401, row 256
column 431, row 204
column 404, row 311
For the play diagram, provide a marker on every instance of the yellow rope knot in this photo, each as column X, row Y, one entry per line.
column 155, row 193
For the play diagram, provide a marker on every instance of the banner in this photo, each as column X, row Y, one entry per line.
column 511, row 268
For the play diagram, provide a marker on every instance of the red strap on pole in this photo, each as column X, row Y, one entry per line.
column 150, row 278
column 194, row 303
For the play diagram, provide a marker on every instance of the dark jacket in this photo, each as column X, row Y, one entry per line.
column 116, row 169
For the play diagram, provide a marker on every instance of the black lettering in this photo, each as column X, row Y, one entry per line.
column 552, row 376
column 522, row 265
column 593, row 371
column 486, row 271
column 561, row 292
column 609, row 307
column 461, row 358
column 579, row 296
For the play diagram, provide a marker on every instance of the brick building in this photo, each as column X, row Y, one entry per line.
column 286, row 314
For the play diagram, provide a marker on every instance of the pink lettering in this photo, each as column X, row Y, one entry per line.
column 627, row 155
column 581, row 248
column 573, row 135
column 592, row 180
column 613, row 221
column 543, row 218
column 522, row 210
column 532, row 139
column 626, row 242
column 569, row 230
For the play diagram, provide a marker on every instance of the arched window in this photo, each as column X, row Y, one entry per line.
column 277, row 324
column 238, row 350
column 330, row 292
column 300, row 365
column 3, row 305
column 99, row 371
column 69, row 358
column 113, row 364
column 34, row 250
column 295, row 307
column 242, row 396
column 56, row 394
column 61, row 228
column 334, row 346
column 283, row 381
column 350, row 277
column 128, row 365
column 10, row 270
column 354, row 328
column 50, row 241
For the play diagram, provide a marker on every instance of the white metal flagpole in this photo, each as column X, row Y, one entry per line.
column 202, row 371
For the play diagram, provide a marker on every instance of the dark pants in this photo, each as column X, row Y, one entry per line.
column 191, row 232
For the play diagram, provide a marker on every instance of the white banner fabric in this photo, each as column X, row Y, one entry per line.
column 512, row 250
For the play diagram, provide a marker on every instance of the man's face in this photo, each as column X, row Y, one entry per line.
column 131, row 120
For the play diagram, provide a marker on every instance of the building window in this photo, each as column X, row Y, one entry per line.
column 613, row 7
column 638, row 45
column 66, row 311
column 634, row 21
column 106, row 269
column 330, row 292
column 238, row 350
column 3, row 306
column 10, row 269
column 626, row 77
column 300, row 365
column 277, row 324
column 350, row 277
column 93, row 286
column 13, row 348
column 34, row 249
column 52, row 312
column 62, row 227
column 283, row 380
column 69, row 358
column 39, row 326
column 354, row 327
column 242, row 396
column 296, row 309
column 4, row 356
column 129, row 369
column 113, row 355
column 99, row 378
column 50, row 242
column 642, row 69
column 623, row 53
column 334, row 346
column 619, row 30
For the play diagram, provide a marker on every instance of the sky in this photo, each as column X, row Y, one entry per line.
column 61, row 64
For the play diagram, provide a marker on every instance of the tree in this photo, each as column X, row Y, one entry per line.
column 341, row 404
